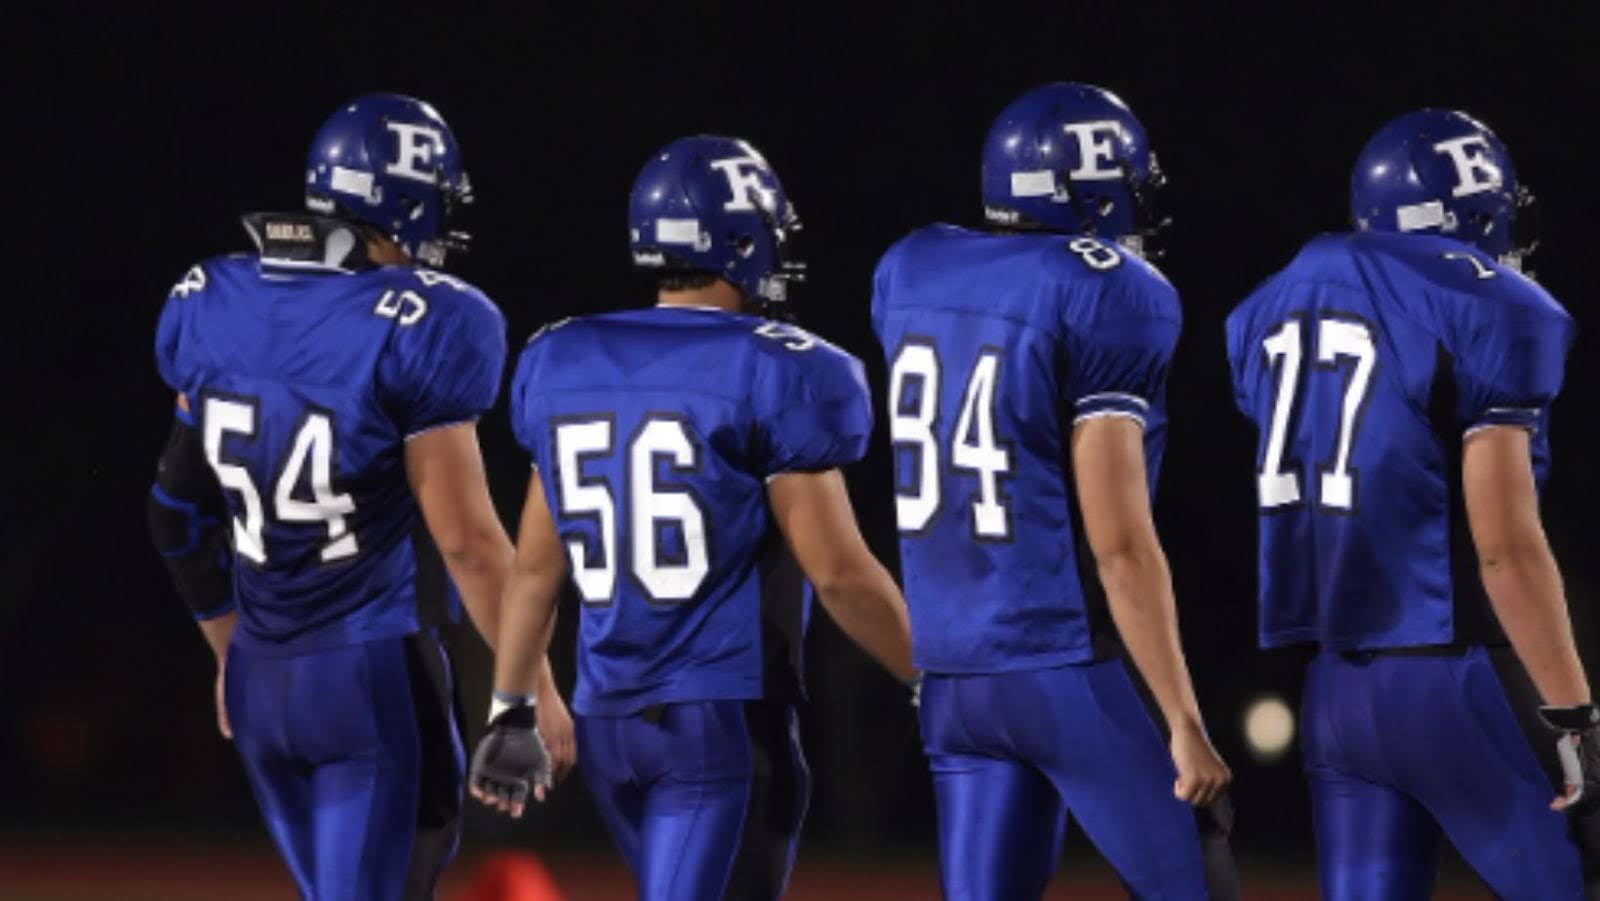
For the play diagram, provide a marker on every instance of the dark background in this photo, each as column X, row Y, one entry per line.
column 136, row 139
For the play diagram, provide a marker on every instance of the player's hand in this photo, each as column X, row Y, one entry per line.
column 1201, row 773
column 555, row 726
column 510, row 761
column 1578, row 748
column 223, row 725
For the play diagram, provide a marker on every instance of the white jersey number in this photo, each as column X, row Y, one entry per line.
column 974, row 447
column 649, row 506
column 313, row 448
column 1278, row 485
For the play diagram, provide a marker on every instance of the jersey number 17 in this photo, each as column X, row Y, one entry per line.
column 1338, row 340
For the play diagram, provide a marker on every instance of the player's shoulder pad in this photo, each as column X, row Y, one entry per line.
column 1108, row 281
column 883, row 272
column 183, row 312
column 1521, row 296
column 419, row 294
column 798, row 357
column 194, row 281
column 548, row 341
column 200, row 279
column 1492, row 289
column 912, row 240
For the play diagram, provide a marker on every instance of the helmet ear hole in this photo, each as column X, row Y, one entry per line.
column 744, row 245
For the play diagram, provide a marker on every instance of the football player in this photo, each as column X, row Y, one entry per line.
column 1027, row 368
column 1401, row 378
column 679, row 452
column 330, row 384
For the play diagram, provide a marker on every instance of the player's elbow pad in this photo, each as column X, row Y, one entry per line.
column 185, row 517
column 195, row 552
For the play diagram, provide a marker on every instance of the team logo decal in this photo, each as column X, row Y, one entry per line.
column 744, row 175
column 1476, row 172
column 419, row 147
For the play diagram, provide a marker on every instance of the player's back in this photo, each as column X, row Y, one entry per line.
column 305, row 380
column 654, row 432
column 997, row 345
column 1364, row 363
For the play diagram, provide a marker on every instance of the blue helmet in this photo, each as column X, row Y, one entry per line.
column 391, row 161
column 713, row 204
column 1443, row 172
column 1073, row 158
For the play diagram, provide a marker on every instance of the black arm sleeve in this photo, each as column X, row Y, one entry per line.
column 186, row 516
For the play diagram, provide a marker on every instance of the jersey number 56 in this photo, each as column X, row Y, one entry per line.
column 648, row 507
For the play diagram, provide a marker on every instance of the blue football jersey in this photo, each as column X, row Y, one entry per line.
column 305, row 380
column 997, row 345
column 1363, row 364
column 654, row 432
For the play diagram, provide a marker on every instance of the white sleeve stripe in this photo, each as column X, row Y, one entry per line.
column 1101, row 414
column 442, row 425
column 1486, row 426
column 1104, row 396
column 1512, row 411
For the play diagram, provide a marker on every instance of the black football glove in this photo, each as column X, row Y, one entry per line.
column 510, row 761
column 1578, row 748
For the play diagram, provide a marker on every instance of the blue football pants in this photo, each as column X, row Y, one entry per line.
column 1013, row 753
column 672, row 784
column 1403, row 748
column 356, row 761
column 780, row 791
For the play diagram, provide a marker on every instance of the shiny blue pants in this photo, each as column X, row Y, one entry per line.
column 673, row 786
column 355, row 761
column 1013, row 753
column 1402, row 749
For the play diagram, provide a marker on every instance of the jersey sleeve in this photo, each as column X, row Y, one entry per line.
column 1234, row 336
column 881, row 280
column 1118, row 354
column 813, row 410
column 523, row 382
column 1509, row 369
column 172, row 351
column 446, row 367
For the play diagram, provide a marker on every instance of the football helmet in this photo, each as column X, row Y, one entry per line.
column 1443, row 172
column 391, row 162
column 713, row 204
column 1073, row 158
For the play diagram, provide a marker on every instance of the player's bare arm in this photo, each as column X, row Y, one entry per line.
column 1519, row 571
column 1524, row 584
column 507, row 764
column 813, row 511
column 446, row 472
column 538, row 572
column 1108, row 460
column 445, row 468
